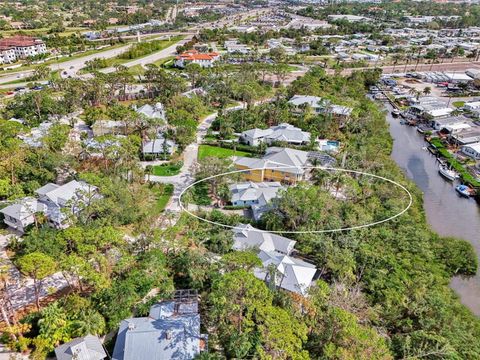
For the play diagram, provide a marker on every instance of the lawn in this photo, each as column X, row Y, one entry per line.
column 458, row 104
column 169, row 169
column 215, row 151
column 162, row 193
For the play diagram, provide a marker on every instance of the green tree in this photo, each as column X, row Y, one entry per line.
column 37, row 266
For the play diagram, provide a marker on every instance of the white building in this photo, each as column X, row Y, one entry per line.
column 194, row 57
column 55, row 202
column 20, row 47
column 472, row 150
column 280, row 133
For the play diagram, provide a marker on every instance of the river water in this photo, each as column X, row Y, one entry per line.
column 447, row 213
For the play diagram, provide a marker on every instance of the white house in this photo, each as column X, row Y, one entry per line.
column 280, row 133
column 279, row 268
column 246, row 237
column 56, row 202
column 472, row 150
column 319, row 106
column 159, row 146
column 289, row 273
column 87, row 347
column 257, row 195
column 194, row 57
column 156, row 111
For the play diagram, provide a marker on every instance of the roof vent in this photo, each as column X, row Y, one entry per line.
column 131, row 326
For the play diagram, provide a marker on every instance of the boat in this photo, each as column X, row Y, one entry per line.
column 395, row 113
column 447, row 173
column 463, row 190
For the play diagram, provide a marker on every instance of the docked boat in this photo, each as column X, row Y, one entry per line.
column 395, row 113
column 463, row 190
column 447, row 173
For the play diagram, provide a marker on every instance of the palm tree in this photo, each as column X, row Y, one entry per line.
column 427, row 90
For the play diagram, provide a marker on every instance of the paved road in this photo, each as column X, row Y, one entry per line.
column 74, row 65
column 186, row 175
column 162, row 54
column 447, row 66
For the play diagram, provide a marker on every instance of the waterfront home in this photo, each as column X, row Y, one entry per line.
column 472, row 106
column 171, row 331
column 246, row 237
column 467, row 136
column 454, row 128
column 289, row 273
column 472, row 150
column 279, row 133
column 205, row 60
column 284, row 165
column 319, row 106
column 87, row 347
column 428, row 107
column 442, row 122
column 299, row 102
column 158, row 146
column 257, row 196
column 55, row 202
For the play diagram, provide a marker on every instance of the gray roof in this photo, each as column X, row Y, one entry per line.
column 284, row 159
column 23, row 208
column 263, row 192
column 312, row 101
column 247, row 237
column 46, row 188
column 156, row 146
column 61, row 194
column 156, row 111
column 293, row 274
column 169, row 334
column 85, row 348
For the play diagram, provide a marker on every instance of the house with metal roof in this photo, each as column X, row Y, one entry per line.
column 280, row 133
column 171, row 331
column 56, row 202
column 467, row 136
column 319, row 106
column 156, row 111
column 246, row 237
column 440, row 123
column 286, row 272
column 84, row 348
column 159, row 146
column 256, row 195
column 278, row 164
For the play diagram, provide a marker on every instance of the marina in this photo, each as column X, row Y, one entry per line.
column 447, row 211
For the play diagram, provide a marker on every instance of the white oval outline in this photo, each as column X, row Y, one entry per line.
column 356, row 227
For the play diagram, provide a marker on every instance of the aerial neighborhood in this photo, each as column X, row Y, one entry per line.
column 263, row 179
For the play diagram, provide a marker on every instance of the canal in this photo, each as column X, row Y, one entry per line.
column 447, row 213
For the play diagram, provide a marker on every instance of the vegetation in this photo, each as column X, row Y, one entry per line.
column 205, row 151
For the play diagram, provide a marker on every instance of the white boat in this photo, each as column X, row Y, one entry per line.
column 448, row 173
column 463, row 190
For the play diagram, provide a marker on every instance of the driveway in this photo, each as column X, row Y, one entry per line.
column 21, row 288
